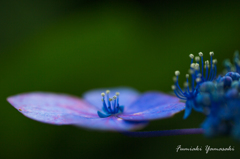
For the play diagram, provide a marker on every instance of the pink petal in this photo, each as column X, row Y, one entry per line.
column 52, row 108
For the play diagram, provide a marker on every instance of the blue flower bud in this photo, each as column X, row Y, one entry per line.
column 234, row 75
column 232, row 93
column 203, row 99
column 207, row 87
column 227, row 81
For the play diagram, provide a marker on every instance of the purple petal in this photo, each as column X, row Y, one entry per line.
column 153, row 105
column 52, row 108
column 111, row 123
column 126, row 97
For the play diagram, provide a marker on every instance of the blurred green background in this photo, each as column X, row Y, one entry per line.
column 73, row 46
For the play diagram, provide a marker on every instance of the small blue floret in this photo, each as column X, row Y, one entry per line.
column 226, row 81
column 111, row 106
column 200, row 72
column 234, row 75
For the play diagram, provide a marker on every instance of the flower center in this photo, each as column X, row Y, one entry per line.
column 197, row 76
column 110, row 105
column 200, row 74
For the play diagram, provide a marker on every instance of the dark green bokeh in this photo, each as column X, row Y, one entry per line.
column 75, row 46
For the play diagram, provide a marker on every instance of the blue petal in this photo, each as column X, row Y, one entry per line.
column 152, row 105
column 126, row 97
column 110, row 123
column 187, row 112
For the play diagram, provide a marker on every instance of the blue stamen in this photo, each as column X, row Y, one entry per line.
column 179, row 89
column 215, row 70
column 206, row 73
column 117, row 94
column 201, row 55
column 193, row 80
column 179, row 93
column 187, row 76
column 179, row 96
column 104, row 103
column 211, row 62
column 109, row 104
column 114, row 105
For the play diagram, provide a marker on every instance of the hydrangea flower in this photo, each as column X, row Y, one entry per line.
column 218, row 99
column 199, row 75
column 223, row 111
column 121, row 112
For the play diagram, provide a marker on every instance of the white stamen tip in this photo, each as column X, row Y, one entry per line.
column 114, row 97
column 174, row 79
column 215, row 61
column 173, row 87
column 190, row 71
column 211, row 53
column 185, row 84
column 200, row 54
column 187, row 75
column 207, row 62
column 198, row 80
column 191, row 56
column 196, row 67
column 197, row 58
column 192, row 65
column 103, row 94
column 117, row 93
column 107, row 91
column 177, row 73
column 110, row 99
